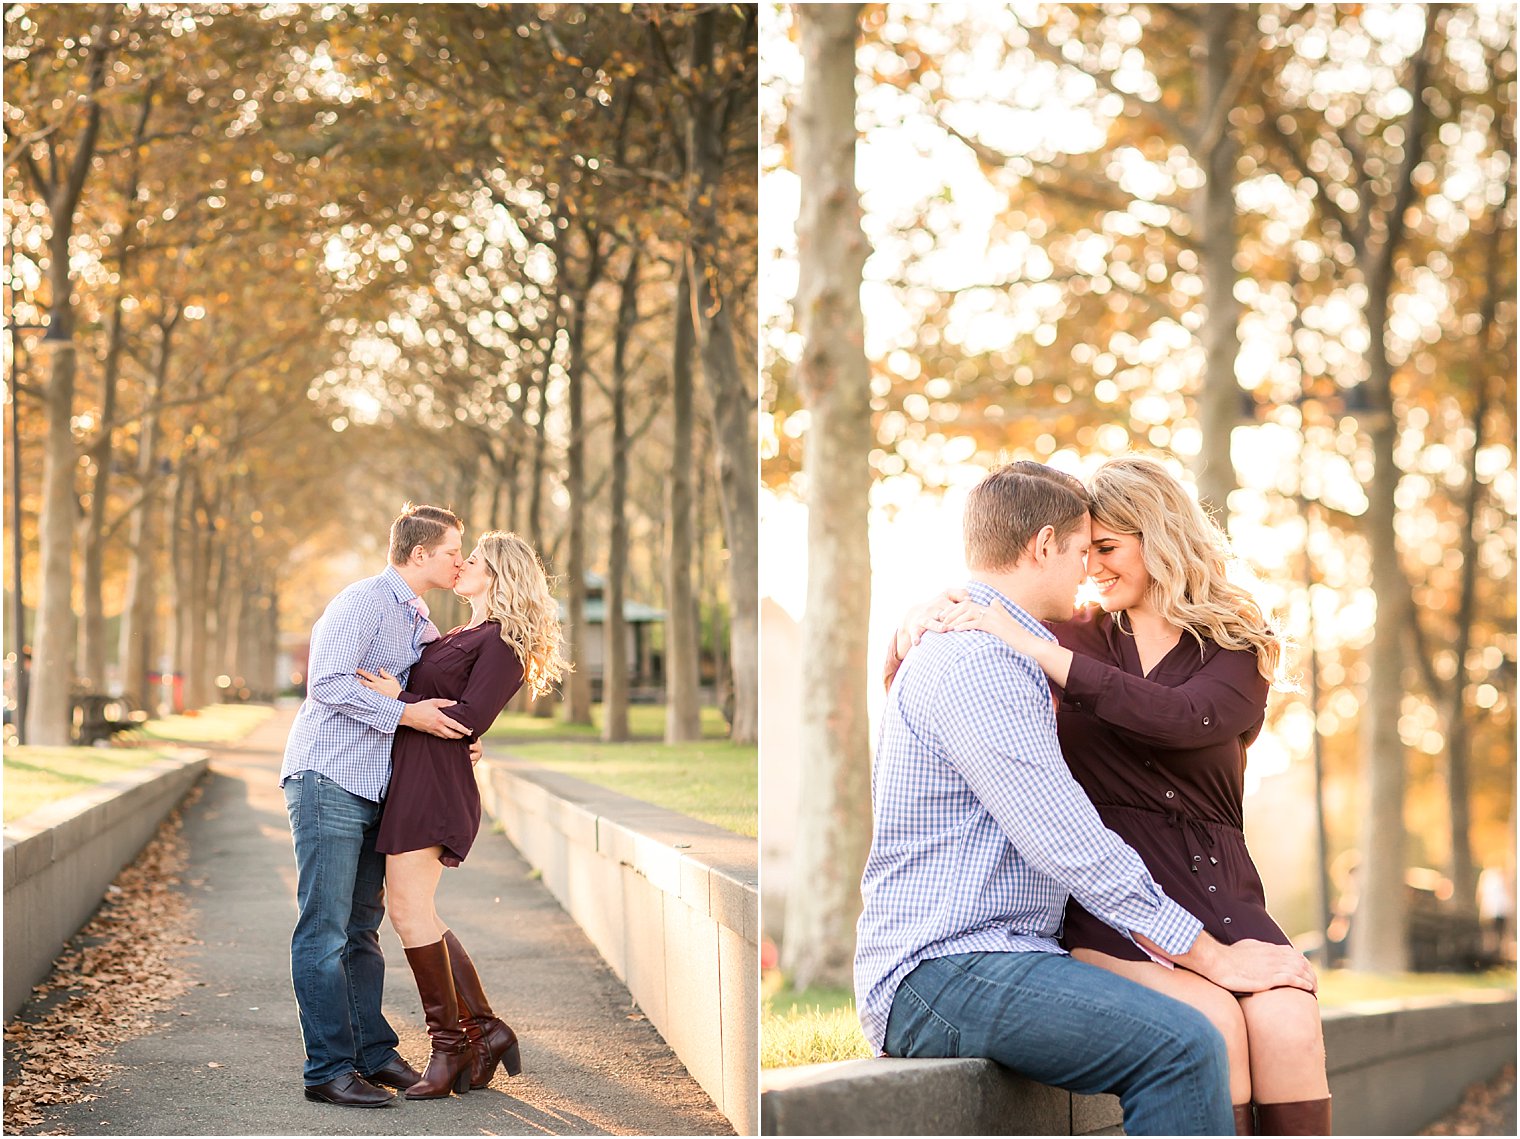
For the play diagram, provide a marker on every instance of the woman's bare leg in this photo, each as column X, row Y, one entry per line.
column 411, row 879
column 1287, row 1046
column 1220, row 1006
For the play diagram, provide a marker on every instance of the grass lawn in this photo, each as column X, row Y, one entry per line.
column 808, row 1027
column 712, row 780
column 709, row 779
column 36, row 776
column 645, row 721
column 216, row 723
column 818, row 1025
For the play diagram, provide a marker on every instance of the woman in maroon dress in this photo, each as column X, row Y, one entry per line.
column 1160, row 690
column 432, row 808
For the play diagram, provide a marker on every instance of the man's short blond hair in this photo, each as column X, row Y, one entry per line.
column 423, row 526
column 1013, row 504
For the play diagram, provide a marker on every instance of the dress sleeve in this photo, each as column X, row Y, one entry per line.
column 494, row 678
column 1000, row 737
column 1223, row 700
column 338, row 644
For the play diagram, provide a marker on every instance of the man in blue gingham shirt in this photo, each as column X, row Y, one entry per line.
column 336, row 770
column 981, row 833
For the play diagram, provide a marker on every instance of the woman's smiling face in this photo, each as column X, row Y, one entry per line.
column 1117, row 568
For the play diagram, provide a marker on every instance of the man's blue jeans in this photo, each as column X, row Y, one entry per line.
column 336, row 965
column 1074, row 1026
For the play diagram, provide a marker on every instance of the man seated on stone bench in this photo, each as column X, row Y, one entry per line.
column 981, row 833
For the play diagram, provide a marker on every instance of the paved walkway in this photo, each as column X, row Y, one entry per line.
column 592, row 1064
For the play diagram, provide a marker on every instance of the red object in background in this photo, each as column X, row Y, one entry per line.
column 176, row 695
column 768, row 954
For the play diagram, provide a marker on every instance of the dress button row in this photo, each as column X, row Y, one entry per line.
column 1148, row 763
column 1226, row 921
column 1207, row 721
column 1213, row 888
column 1171, row 794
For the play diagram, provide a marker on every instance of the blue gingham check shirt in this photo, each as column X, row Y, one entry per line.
column 344, row 730
column 980, row 831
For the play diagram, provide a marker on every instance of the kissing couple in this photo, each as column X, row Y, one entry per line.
column 379, row 783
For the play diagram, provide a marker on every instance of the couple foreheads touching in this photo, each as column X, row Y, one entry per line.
column 1058, row 878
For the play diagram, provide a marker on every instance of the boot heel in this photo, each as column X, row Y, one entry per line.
column 512, row 1058
column 462, row 1081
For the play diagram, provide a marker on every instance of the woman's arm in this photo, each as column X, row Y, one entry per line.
column 494, row 677
column 1053, row 658
column 1221, row 701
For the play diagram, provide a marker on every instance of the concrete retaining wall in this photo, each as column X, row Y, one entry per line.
column 1394, row 1068
column 60, row 859
column 671, row 903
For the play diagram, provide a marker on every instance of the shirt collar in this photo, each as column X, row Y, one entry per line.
column 984, row 594
column 399, row 588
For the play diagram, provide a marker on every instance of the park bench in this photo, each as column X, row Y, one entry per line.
column 98, row 717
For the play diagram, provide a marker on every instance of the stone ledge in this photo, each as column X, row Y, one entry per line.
column 924, row 1097
column 1394, row 1067
column 670, row 902
column 60, row 858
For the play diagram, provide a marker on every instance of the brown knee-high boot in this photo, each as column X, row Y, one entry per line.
column 448, row 1068
column 491, row 1039
column 1245, row 1119
column 1301, row 1117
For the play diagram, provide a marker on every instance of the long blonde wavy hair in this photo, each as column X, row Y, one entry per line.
column 518, row 599
column 1186, row 555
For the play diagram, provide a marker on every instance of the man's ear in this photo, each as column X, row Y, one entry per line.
column 1043, row 544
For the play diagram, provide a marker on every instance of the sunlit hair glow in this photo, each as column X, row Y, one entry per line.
column 518, row 599
column 1186, row 556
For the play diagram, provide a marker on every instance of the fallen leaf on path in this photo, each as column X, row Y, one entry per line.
column 114, row 976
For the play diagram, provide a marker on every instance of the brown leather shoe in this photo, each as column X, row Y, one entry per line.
column 491, row 1040
column 349, row 1090
column 448, row 1068
column 1301, row 1117
column 397, row 1074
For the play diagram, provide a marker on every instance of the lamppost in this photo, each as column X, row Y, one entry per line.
column 19, row 615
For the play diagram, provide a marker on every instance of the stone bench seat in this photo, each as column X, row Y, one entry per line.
column 1395, row 1067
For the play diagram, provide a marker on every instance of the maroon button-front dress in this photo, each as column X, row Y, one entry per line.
column 433, row 799
column 1163, row 758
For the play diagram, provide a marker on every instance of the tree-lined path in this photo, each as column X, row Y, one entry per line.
column 592, row 1063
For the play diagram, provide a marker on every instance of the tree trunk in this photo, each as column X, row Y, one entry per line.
column 683, row 712
column 577, row 684
column 135, row 649
column 92, row 648
column 1380, row 930
column 198, row 615
column 177, row 637
column 834, row 380
column 1219, row 392
column 92, row 537
column 732, row 404
column 49, row 713
column 615, row 628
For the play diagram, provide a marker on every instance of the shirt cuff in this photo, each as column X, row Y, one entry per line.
column 1085, row 681
column 388, row 718
column 1173, row 929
